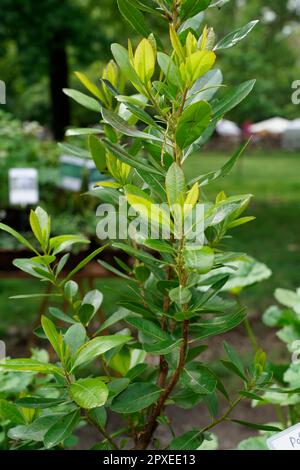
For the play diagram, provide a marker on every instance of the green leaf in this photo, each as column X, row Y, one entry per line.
column 136, row 397
column 191, row 8
column 205, row 87
column 75, row 337
column 62, row 242
column 89, row 85
column 215, row 326
column 233, row 38
column 288, row 298
column 62, row 429
column 169, row 69
column 85, row 100
column 148, row 327
column 99, row 416
column 121, row 57
column 215, row 175
column 180, row 295
column 40, row 402
column 232, row 99
column 93, row 348
column 52, row 334
column 30, row 365
column 70, row 290
column 192, row 123
column 90, row 305
column 198, row 259
column 235, row 359
column 260, row 427
column 57, row 313
column 190, row 440
column 175, row 185
column 121, row 125
column 84, row 262
column 98, row 152
column 163, row 347
column 125, row 157
column 34, row 431
column 89, row 393
column 114, row 318
column 199, row 379
column 10, row 411
column 134, row 17
column 18, row 237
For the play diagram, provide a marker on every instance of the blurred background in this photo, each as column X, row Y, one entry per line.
column 41, row 45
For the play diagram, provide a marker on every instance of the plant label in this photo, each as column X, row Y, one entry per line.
column 286, row 440
column 23, row 186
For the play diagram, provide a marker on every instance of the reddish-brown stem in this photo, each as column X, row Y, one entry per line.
column 143, row 438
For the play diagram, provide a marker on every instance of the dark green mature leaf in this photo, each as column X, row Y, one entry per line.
column 148, row 327
column 57, row 313
column 191, row 8
column 85, row 100
column 40, row 402
column 232, row 99
column 215, row 175
column 62, row 429
column 192, row 123
column 215, row 326
column 90, row 305
column 234, row 358
column 125, row 157
column 89, row 393
column 93, row 348
column 136, row 397
column 98, row 152
column 205, row 87
column 190, row 440
column 121, row 125
column 114, row 318
column 163, row 347
column 34, row 431
column 133, row 16
column 199, row 259
column 30, row 365
column 260, row 427
column 236, row 36
column 199, row 378
column 10, row 411
column 52, row 334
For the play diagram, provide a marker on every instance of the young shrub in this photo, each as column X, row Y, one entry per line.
column 170, row 111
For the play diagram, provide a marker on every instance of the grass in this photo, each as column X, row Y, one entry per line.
column 273, row 238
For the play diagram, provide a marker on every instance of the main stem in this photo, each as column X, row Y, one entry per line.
column 143, row 438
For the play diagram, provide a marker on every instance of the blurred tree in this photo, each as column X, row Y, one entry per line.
column 268, row 55
column 47, row 33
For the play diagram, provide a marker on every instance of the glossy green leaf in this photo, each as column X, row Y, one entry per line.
column 235, row 37
column 93, row 348
column 136, row 397
column 84, row 100
column 199, row 259
column 61, row 429
column 190, row 440
column 121, row 125
column 89, row 393
column 98, row 152
column 148, row 327
column 163, row 347
column 30, row 365
column 192, row 123
column 232, row 98
column 18, row 237
column 175, row 185
column 199, row 378
column 40, row 402
column 133, row 16
column 9, row 411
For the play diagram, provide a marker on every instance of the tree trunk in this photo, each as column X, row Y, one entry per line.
column 58, row 75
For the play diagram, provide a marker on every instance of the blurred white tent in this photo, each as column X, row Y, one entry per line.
column 291, row 137
column 227, row 128
column 276, row 125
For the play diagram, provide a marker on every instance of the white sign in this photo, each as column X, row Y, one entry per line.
column 286, row 440
column 23, row 186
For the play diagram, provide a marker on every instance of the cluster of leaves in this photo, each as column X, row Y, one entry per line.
column 145, row 138
column 284, row 394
